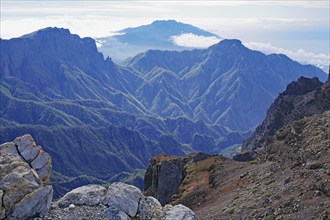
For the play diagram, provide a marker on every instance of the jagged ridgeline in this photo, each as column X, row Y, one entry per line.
column 102, row 122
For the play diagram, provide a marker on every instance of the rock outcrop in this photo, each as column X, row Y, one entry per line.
column 25, row 192
column 25, row 189
column 165, row 174
column 119, row 201
column 289, row 179
column 301, row 98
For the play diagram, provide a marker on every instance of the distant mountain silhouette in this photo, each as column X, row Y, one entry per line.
column 157, row 35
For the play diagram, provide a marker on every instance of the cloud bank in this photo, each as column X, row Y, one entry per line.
column 320, row 60
column 194, row 41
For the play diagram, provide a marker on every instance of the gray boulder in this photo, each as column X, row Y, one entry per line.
column 112, row 213
column 150, row 208
column 2, row 209
column 38, row 201
column 124, row 197
column 123, row 202
column 90, row 195
column 23, row 193
column 179, row 212
column 38, row 159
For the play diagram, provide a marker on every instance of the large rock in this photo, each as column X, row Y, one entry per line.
column 38, row 159
column 150, row 208
column 124, row 197
column 119, row 202
column 90, row 195
column 23, row 192
column 35, row 203
column 179, row 212
column 165, row 175
column 113, row 213
column 2, row 209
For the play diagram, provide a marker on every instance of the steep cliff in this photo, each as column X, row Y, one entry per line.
column 301, row 98
column 165, row 174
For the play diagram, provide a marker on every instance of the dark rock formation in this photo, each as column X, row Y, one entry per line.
column 302, row 98
column 302, row 86
column 289, row 179
column 165, row 175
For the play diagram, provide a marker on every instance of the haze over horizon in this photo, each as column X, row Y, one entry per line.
column 299, row 29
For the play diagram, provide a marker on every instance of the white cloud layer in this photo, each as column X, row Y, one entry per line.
column 194, row 41
column 320, row 60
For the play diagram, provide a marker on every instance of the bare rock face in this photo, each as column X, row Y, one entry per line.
column 24, row 179
column 165, row 175
column 302, row 98
column 39, row 160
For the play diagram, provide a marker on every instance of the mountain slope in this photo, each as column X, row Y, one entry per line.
column 301, row 98
column 57, row 87
column 63, row 66
column 157, row 35
column 226, row 84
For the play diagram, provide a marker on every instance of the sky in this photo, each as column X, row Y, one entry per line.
column 299, row 29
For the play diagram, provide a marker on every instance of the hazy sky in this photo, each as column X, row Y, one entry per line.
column 299, row 29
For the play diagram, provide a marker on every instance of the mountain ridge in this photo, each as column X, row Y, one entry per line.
column 203, row 77
column 80, row 104
column 301, row 98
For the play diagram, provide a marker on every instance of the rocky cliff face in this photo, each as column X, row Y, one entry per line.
column 302, row 98
column 289, row 179
column 25, row 189
column 166, row 173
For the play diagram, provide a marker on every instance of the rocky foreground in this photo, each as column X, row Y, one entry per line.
column 26, row 193
column 290, row 179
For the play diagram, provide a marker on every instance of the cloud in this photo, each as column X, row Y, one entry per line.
column 233, row 3
column 194, row 41
column 320, row 60
column 83, row 25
